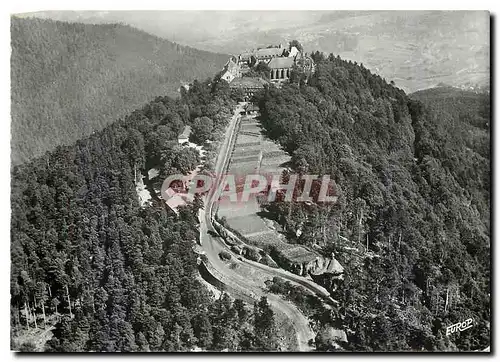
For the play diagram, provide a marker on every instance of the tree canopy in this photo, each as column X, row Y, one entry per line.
column 412, row 223
column 72, row 79
column 107, row 274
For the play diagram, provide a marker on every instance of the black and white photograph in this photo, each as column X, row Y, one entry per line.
column 250, row 181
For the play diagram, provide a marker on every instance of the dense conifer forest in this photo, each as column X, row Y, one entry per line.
column 69, row 79
column 412, row 223
column 107, row 274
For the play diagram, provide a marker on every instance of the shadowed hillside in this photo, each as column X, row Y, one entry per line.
column 69, row 79
column 412, row 223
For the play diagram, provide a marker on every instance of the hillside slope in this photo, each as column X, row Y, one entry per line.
column 103, row 274
column 69, row 79
column 412, row 224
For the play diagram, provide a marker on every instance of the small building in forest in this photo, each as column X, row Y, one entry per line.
column 302, row 261
column 184, row 136
column 296, row 259
column 245, row 58
column 177, row 200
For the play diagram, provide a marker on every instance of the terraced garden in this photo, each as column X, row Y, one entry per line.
column 253, row 154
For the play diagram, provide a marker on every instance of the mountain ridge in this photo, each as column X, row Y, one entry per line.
column 96, row 74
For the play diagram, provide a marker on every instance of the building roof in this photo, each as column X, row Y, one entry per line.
column 268, row 52
column 277, row 63
column 185, row 132
column 232, row 59
column 231, row 66
column 247, row 82
column 252, row 107
column 176, row 201
column 334, row 267
column 298, row 254
column 170, row 192
column 226, row 73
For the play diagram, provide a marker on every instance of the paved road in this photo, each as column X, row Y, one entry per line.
column 306, row 283
column 243, row 286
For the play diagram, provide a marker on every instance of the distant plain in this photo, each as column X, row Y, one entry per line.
column 415, row 49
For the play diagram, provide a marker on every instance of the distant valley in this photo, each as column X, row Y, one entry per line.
column 416, row 49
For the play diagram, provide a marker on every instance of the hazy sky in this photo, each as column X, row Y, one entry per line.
column 192, row 25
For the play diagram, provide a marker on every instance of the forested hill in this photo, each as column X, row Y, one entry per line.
column 412, row 224
column 456, row 130
column 69, row 79
column 111, row 276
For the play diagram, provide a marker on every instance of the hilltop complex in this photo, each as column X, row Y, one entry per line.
column 273, row 64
